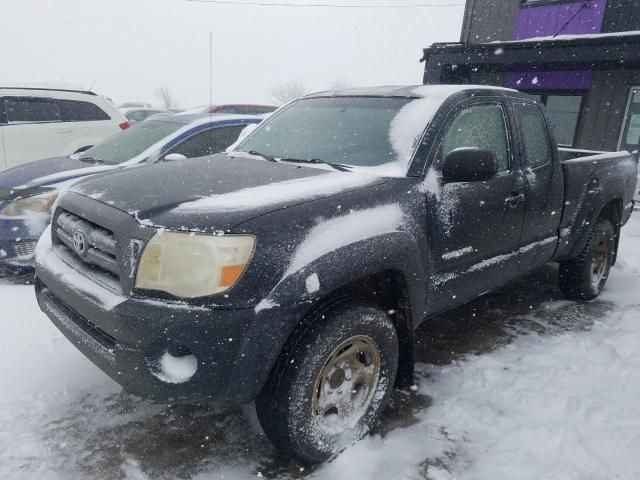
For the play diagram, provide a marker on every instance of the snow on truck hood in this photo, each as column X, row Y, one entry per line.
column 216, row 193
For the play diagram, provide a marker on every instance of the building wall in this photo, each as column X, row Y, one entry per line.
column 489, row 20
column 563, row 18
column 622, row 16
column 567, row 18
column 604, row 108
column 606, row 92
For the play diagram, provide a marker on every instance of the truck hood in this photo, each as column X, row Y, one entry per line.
column 216, row 193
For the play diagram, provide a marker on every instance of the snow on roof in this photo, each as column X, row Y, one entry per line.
column 203, row 118
column 574, row 37
column 417, row 91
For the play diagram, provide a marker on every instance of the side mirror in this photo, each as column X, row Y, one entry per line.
column 469, row 164
column 172, row 157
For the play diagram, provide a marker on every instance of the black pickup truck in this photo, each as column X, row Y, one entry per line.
column 294, row 270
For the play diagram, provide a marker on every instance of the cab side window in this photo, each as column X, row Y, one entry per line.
column 481, row 126
column 214, row 140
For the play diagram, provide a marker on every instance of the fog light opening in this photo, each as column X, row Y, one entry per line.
column 175, row 365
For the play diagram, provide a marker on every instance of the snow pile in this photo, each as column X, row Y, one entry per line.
column 176, row 369
column 557, row 407
column 312, row 283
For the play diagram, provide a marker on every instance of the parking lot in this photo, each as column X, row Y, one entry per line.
column 519, row 382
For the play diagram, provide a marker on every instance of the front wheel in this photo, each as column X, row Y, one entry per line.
column 583, row 277
column 329, row 387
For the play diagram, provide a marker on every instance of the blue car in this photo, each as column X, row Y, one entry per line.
column 28, row 192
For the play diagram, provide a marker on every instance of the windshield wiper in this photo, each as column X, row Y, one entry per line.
column 337, row 166
column 90, row 160
column 258, row 154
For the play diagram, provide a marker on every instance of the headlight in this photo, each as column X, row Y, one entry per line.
column 191, row 265
column 41, row 203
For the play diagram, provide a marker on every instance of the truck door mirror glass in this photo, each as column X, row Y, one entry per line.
column 469, row 164
column 173, row 157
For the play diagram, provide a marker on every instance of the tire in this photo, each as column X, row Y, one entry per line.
column 333, row 352
column 583, row 277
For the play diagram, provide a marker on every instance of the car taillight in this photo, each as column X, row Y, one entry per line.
column 124, row 125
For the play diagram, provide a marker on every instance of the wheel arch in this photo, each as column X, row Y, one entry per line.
column 571, row 246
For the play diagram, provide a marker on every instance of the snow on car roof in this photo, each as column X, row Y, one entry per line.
column 202, row 118
column 411, row 91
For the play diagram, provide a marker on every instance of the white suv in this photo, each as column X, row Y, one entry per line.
column 44, row 123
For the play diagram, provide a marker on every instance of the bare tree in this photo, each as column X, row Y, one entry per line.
column 165, row 96
column 288, row 91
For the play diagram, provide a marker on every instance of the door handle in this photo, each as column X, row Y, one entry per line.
column 64, row 130
column 514, row 200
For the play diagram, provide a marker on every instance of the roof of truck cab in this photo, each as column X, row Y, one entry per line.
column 409, row 91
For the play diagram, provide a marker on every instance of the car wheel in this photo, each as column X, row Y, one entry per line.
column 331, row 382
column 583, row 277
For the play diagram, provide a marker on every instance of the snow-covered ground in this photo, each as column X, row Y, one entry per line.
column 519, row 384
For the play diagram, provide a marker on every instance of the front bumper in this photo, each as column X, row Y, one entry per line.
column 126, row 336
column 18, row 239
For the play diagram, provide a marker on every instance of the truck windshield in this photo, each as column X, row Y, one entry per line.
column 127, row 144
column 354, row 131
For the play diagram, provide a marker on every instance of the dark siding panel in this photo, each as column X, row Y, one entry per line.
column 496, row 79
column 621, row 16
column 604, row 107
column 491, row 20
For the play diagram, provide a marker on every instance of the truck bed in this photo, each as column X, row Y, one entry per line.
column 589, row 177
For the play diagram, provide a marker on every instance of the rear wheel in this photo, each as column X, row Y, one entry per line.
column 329, row 387
column 583, row 277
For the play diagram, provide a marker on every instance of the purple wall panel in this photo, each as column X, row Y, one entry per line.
column 548, row 20
column 549, row 80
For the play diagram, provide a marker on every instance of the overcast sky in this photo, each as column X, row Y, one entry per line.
column 128, row 48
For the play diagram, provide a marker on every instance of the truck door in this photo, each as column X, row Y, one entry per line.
column 474, row 227
column 544, row 187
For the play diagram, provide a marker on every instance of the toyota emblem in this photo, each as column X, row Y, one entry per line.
column 79, row 243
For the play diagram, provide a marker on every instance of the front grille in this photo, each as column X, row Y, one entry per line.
column 92, row 244
column 25, row 249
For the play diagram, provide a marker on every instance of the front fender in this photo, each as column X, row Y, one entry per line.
column 320, row 276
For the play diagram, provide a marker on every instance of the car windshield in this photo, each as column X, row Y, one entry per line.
column 125, row 145
column 354, row 131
